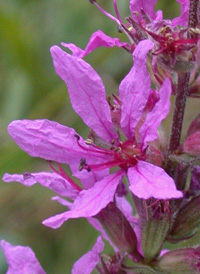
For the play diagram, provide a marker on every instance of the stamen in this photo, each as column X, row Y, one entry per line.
column 117, row 99
column 98, row 149
column 145, row 16
column 108, row 98
column 105, row 165
column 106, row 13
column 117, row 11
column 83, row 165
column 64, row 175
column 153, row 204
column 89, row 141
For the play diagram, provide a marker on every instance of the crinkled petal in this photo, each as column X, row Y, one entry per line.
column 87, row 263
column 147, row 6
column 98, row 39
column 50, row 140
column 149, row 130
column 149, row 181
column 21, row 259
column 89, row 202
column 182, row 20
column 47, row 179
column 134, row 89
column 86, row 91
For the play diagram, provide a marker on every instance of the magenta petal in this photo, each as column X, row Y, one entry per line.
column 87, row 263
column 46, row 179
column 134, row 89
column 48, row 140
column 149, row 130
column 147, row 181
column 182, row 20
column 147, row 6
column 89, row 202
column 62, row 201
column 88, row 179
column 21, row 259
column 98, row 39
column 87, row 92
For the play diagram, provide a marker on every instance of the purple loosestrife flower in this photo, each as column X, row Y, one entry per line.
column 131, row 116
column 21, row 259
column 175, row 41
column 144, row 23
column 134, row 92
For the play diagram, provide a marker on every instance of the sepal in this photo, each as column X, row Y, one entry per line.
column 154, row 232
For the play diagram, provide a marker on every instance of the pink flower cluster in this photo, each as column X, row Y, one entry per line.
column 123, row 150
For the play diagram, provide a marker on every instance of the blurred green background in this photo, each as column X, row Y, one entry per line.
column 30, row 89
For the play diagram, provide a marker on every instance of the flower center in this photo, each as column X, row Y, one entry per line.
column 127, row 152
column 171, row 41
column 124, row 155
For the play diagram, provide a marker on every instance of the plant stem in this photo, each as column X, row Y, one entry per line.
column 182, row 87
column 179, row 109
column 193, row 14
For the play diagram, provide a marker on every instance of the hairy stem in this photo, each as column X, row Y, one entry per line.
column 182, row 87
column 193, row 14
column 179, row 109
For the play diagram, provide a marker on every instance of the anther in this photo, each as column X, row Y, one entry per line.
column 112, row 142
column 89, row 141
column 194, row 30
column 92, row 1
column 119, row 29
column 77, row 136
column 82, row 164
column 136, row 13
column 88, row 169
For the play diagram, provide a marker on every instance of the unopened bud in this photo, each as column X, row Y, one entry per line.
column 154, row 232
column 186, row 221
column 119, row 230
column 191, row 145
column 186, row 260
column 194, row 126
column 195, row 179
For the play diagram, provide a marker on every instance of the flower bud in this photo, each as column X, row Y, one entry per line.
column 194, row 126
column 195, row 179
column 186, row 260
column 191, row 145
column 186, row 221
column 119, row 230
